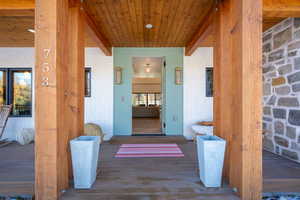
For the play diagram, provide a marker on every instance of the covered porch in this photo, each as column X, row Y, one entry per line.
column 234, row 28
column 144, row 178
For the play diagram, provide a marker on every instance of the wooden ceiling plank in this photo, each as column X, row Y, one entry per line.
column 139, row 21
column 189, row 5
column 112, row 20
column 157, row 22
column 99, row 38
column 164, row 21
column 17, row 4
column 282, row 8
column 133, row 21
column 123, row 24
column 146, row 11
column 204, row 30
column 118, row 27
column 172, row 23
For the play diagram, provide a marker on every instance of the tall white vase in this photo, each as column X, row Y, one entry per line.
column 211, row 151
column 85, row 152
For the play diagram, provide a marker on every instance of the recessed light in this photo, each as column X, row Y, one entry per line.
column 31, row 30
column 149, row 26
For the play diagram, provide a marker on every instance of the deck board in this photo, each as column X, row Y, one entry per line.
column 142, row 178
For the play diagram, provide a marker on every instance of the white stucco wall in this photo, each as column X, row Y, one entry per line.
column 197, row 107
column 98, row 107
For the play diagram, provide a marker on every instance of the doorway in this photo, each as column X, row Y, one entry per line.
column 147, row 96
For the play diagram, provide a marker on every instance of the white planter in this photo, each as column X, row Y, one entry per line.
column 211, row 151
column 85, row 152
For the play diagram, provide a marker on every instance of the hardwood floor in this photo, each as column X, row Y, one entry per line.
column 146, row 126
column 143, row 178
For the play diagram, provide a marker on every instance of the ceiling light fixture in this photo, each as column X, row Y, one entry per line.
column 31, row 30
column 149, row 26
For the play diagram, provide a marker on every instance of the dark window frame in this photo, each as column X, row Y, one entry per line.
column 9, row 88
column 89, row 93
column 209, row 89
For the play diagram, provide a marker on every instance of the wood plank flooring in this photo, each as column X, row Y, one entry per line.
column 146, row 126
column 142, row 178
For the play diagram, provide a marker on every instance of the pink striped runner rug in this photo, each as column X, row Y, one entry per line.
column 149, row 150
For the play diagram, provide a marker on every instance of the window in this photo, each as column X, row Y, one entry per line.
column 16, row 89
column 209, row 82
column 87, row 82
column 151, row 99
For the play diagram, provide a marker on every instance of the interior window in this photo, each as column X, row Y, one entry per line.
column 87, row 82
column 147, row 100
column 209, row 82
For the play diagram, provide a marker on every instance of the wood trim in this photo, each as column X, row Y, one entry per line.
column 282, row 8
column 97, row 36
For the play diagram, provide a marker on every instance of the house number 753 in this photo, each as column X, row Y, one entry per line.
column 46, row 68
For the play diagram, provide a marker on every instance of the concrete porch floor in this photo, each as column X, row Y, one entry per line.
column 142, row 178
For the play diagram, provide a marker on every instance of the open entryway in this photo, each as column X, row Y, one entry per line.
column 148, row 96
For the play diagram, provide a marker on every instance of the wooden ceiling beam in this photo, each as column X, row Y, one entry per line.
column 97, row 36
column 204, row 31
column 17, row 4
column 23, row 5
column 281, row 8
column 278, row 9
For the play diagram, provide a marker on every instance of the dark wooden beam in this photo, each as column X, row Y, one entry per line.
column 95, row 33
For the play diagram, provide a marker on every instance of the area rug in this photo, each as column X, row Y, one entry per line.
column 149, row 150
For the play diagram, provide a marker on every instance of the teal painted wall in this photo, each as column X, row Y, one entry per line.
column 122, row 93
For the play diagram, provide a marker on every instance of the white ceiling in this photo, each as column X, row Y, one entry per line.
column 140, row 66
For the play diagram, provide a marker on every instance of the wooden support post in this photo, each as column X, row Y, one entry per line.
column 223, row 73
column 76, row 73
column 59, row 76
column 246, row 159
column 238, row 92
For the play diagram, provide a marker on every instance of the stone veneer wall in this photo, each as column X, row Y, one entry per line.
column 281, row 76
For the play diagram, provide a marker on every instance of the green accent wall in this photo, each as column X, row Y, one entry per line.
column 122, row 93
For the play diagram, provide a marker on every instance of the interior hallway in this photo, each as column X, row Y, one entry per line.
column 146, row 126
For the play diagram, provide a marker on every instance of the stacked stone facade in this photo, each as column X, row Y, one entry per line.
column 281, row 89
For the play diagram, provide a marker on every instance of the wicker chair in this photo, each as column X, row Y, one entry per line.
column 4, row 113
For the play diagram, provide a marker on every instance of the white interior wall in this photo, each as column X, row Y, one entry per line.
column 98, row 107
column 197, row 107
